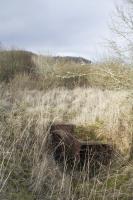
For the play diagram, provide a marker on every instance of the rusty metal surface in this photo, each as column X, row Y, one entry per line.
column 68, row 150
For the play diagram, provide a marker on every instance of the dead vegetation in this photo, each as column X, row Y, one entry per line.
column 101, row 108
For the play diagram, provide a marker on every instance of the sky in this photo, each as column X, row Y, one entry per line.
column 56, row 27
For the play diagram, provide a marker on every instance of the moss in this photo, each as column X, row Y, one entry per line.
column 89, row 132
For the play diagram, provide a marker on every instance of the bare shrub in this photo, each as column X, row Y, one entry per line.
column 14, row 62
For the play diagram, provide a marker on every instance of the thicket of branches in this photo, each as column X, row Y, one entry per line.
column 122, row 28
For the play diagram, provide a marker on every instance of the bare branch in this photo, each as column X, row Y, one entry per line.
column 122, row 27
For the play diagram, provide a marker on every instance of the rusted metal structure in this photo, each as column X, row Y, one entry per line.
column 74, row 154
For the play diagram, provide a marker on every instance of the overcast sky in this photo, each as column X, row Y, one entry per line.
column 66, row 27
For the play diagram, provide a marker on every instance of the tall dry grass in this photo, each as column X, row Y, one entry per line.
column 44, row 73
column 98, row 98
column 109, row 74
column 29, row 172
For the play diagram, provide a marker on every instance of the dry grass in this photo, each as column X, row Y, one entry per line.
column 15, row 62
column 109, row 74
column 44, row 73
column 27, row 172
column 98, row 98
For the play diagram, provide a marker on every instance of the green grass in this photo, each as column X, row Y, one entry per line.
column 89, row 132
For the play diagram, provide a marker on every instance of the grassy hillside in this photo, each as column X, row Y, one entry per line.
column 44, row 73
column 98, row 98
